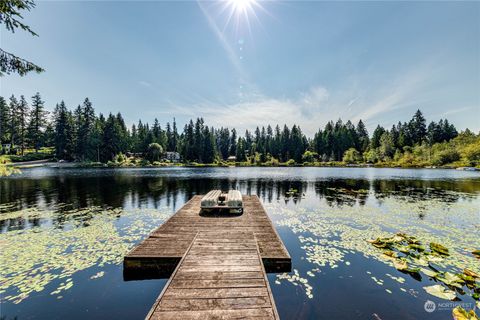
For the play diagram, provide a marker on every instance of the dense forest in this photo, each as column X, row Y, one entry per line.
column 82, row 135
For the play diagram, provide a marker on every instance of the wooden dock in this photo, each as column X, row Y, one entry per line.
column 217, row 264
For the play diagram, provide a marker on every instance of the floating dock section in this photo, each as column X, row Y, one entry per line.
column 216, row 264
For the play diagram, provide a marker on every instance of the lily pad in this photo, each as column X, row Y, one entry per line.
column 439, row 248
column 471, row 273
column 450, row 279
column 429, row 272
column 440, row 291
column 459, row 313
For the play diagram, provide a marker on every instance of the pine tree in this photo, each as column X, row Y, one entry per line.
column 208, row 146
column 85, row 122
column 64, row 132
column 13, row 125
column 22, row 116
column 4, row 119
column 362, row 134
column 418, row 128
column 240, row 152
column 37, row 122
column 377, row 134
column 233, row 143
column 175, row 136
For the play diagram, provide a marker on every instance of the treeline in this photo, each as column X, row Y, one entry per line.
column 82, row 135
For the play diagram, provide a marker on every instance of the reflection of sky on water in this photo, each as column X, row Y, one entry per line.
column 66, row 231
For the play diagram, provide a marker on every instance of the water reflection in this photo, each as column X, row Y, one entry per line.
column 69, row 230
column 63, row 193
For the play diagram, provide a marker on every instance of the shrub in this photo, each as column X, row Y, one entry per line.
column 309, row 156
column 154, row 152
column 351, row 156
column 290, row 162
column 371, row 156
column 120, row 158
column 472, row 152
column 445, row 156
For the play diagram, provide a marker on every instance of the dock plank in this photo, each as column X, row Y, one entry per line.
column 217, row 264
column 221, row 288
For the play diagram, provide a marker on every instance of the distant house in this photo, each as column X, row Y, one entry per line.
column 232, row 159
column 172, row 156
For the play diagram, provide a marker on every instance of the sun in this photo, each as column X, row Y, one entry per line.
column 240, row 12
column 242, row 7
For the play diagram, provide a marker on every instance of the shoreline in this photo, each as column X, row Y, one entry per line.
column 60, row 165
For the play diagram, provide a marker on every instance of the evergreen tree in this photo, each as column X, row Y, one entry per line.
column 240, row 152
column 113, row 139
column 64, row 128
column 175, row 136
column 37, row 122
column 208, row 146
column 22, row 116
column 4, row 120
column 377, row 134
column 362, row 134
column 85, row 119
column 233, row 143
column 418, row 128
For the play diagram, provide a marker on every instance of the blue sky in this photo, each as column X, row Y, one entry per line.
column 294, row 62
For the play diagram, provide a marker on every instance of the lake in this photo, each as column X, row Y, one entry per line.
column 64, row 232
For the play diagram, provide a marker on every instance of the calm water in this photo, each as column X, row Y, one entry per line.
column 64, row 232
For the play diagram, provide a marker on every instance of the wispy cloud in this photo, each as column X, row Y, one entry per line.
column 457, row 110
column 145, row 84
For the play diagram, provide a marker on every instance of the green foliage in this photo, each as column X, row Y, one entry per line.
column 352, row 156
column 371, row 156
column 154, row 152
column 32, row 156
column 83, row 136
column 448, row 155
column 309, row 156
column 10, row 16
column 290, row 162
column 120, row 158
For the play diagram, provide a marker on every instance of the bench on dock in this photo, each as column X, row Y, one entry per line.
column 218, row 200
column 217, row 264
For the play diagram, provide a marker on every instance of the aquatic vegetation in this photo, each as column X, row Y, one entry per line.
column 296, row 280
column 328, row 233
column 46, row 254
column 459, row 313
column 410, row 252
column 6, row 171
column 440, row 291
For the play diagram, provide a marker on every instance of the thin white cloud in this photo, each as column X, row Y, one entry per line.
column 457, row 110
column 145, row 84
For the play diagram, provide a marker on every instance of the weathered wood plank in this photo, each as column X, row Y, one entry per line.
column 257, row 314
column 215, row 293
column 229, row 283
column 179, row 230
column 217, row 263
column 168, row 304
column 217, row 284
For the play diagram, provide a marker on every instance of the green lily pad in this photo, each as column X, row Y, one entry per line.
column 459, row 313
column 450, row 279
column 439, row 248
column 440, row 291
column 429, row 272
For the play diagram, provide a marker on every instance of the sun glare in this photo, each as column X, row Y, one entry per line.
column 240, row 12
column 242, row 6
